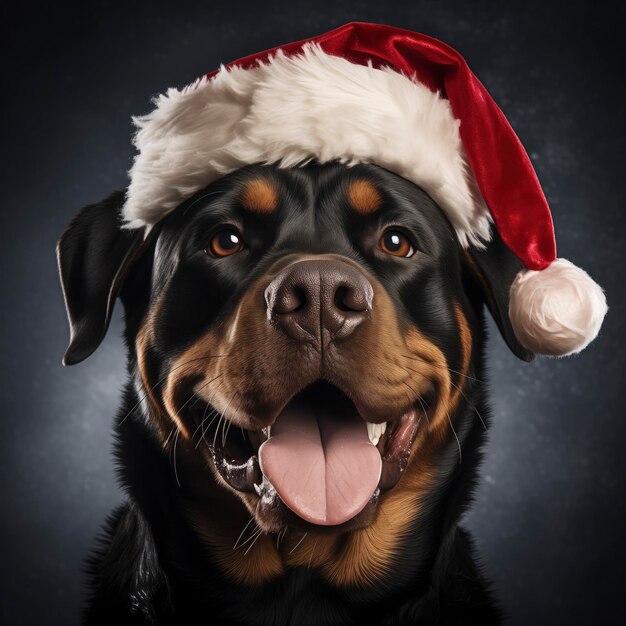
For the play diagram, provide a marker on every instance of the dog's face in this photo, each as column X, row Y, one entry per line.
column 294, row 313
column 305, row 337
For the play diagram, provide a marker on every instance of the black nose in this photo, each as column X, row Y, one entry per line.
column 319, row 299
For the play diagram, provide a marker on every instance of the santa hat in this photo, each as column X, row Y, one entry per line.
column 367, row 93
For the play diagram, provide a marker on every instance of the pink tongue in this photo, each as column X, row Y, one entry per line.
column 323, row 466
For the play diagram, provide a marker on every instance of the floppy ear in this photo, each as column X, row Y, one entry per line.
column 94, row 255
column 494, row 269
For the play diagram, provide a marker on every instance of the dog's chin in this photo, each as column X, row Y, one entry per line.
column 319, row 466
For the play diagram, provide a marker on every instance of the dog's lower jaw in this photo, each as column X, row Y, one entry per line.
column 198, row 528
column 265, row 546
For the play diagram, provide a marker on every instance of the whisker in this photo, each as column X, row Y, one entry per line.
column 406, row 368
column 217, row 429
column 216, row 415
column 169, row 436
column 419, row 398
column 460, row 391
column 409, row 386
column 413, row 358
column 224, row 427
column 299, row 542
column 458, row 443
column 242, row 532
column 253, row 535
column 179, row 409
column 224, row 433
column 206, row 357
column 194, row 394
column 408, row 397
column 204, row 416
column 164, row 377
column 482, row 421
column 203, row 430
column 174, row 455
column 205, row 385
column 254, row 541
column 312, row 552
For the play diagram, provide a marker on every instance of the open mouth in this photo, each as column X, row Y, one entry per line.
column 319, row 456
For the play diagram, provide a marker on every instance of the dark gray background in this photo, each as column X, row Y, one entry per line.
column 549, row 514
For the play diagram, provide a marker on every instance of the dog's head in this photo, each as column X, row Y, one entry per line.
column 305, row 336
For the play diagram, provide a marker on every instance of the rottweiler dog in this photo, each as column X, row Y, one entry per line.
column 305, row 408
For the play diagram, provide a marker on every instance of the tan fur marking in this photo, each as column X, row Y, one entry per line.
column 364, row 197
column 260, row 196
column 170, row 405
column 253, row 562
column 435, row 363
column 142, row 344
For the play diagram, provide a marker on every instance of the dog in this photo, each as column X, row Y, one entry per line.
column 306, row 401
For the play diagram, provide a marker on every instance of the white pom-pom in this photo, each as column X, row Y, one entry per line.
column 557, row 311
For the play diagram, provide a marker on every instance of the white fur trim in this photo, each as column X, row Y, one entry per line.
column 294, row 109
column 557, row 311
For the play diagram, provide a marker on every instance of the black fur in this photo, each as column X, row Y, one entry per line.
column 150, row 567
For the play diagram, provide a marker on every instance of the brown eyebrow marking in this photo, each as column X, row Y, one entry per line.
column 259, row 195
column 364, row 196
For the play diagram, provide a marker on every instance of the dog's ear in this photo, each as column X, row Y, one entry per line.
column 94, row 255
column 493, row 270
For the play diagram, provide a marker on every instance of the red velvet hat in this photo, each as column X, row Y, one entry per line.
column 383, row 95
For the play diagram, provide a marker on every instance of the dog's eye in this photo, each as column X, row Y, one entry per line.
column 396, row 243
column 225, row 242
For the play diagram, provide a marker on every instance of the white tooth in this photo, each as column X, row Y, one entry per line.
column 373, row 432
column 257, row 488
column 383, row 428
